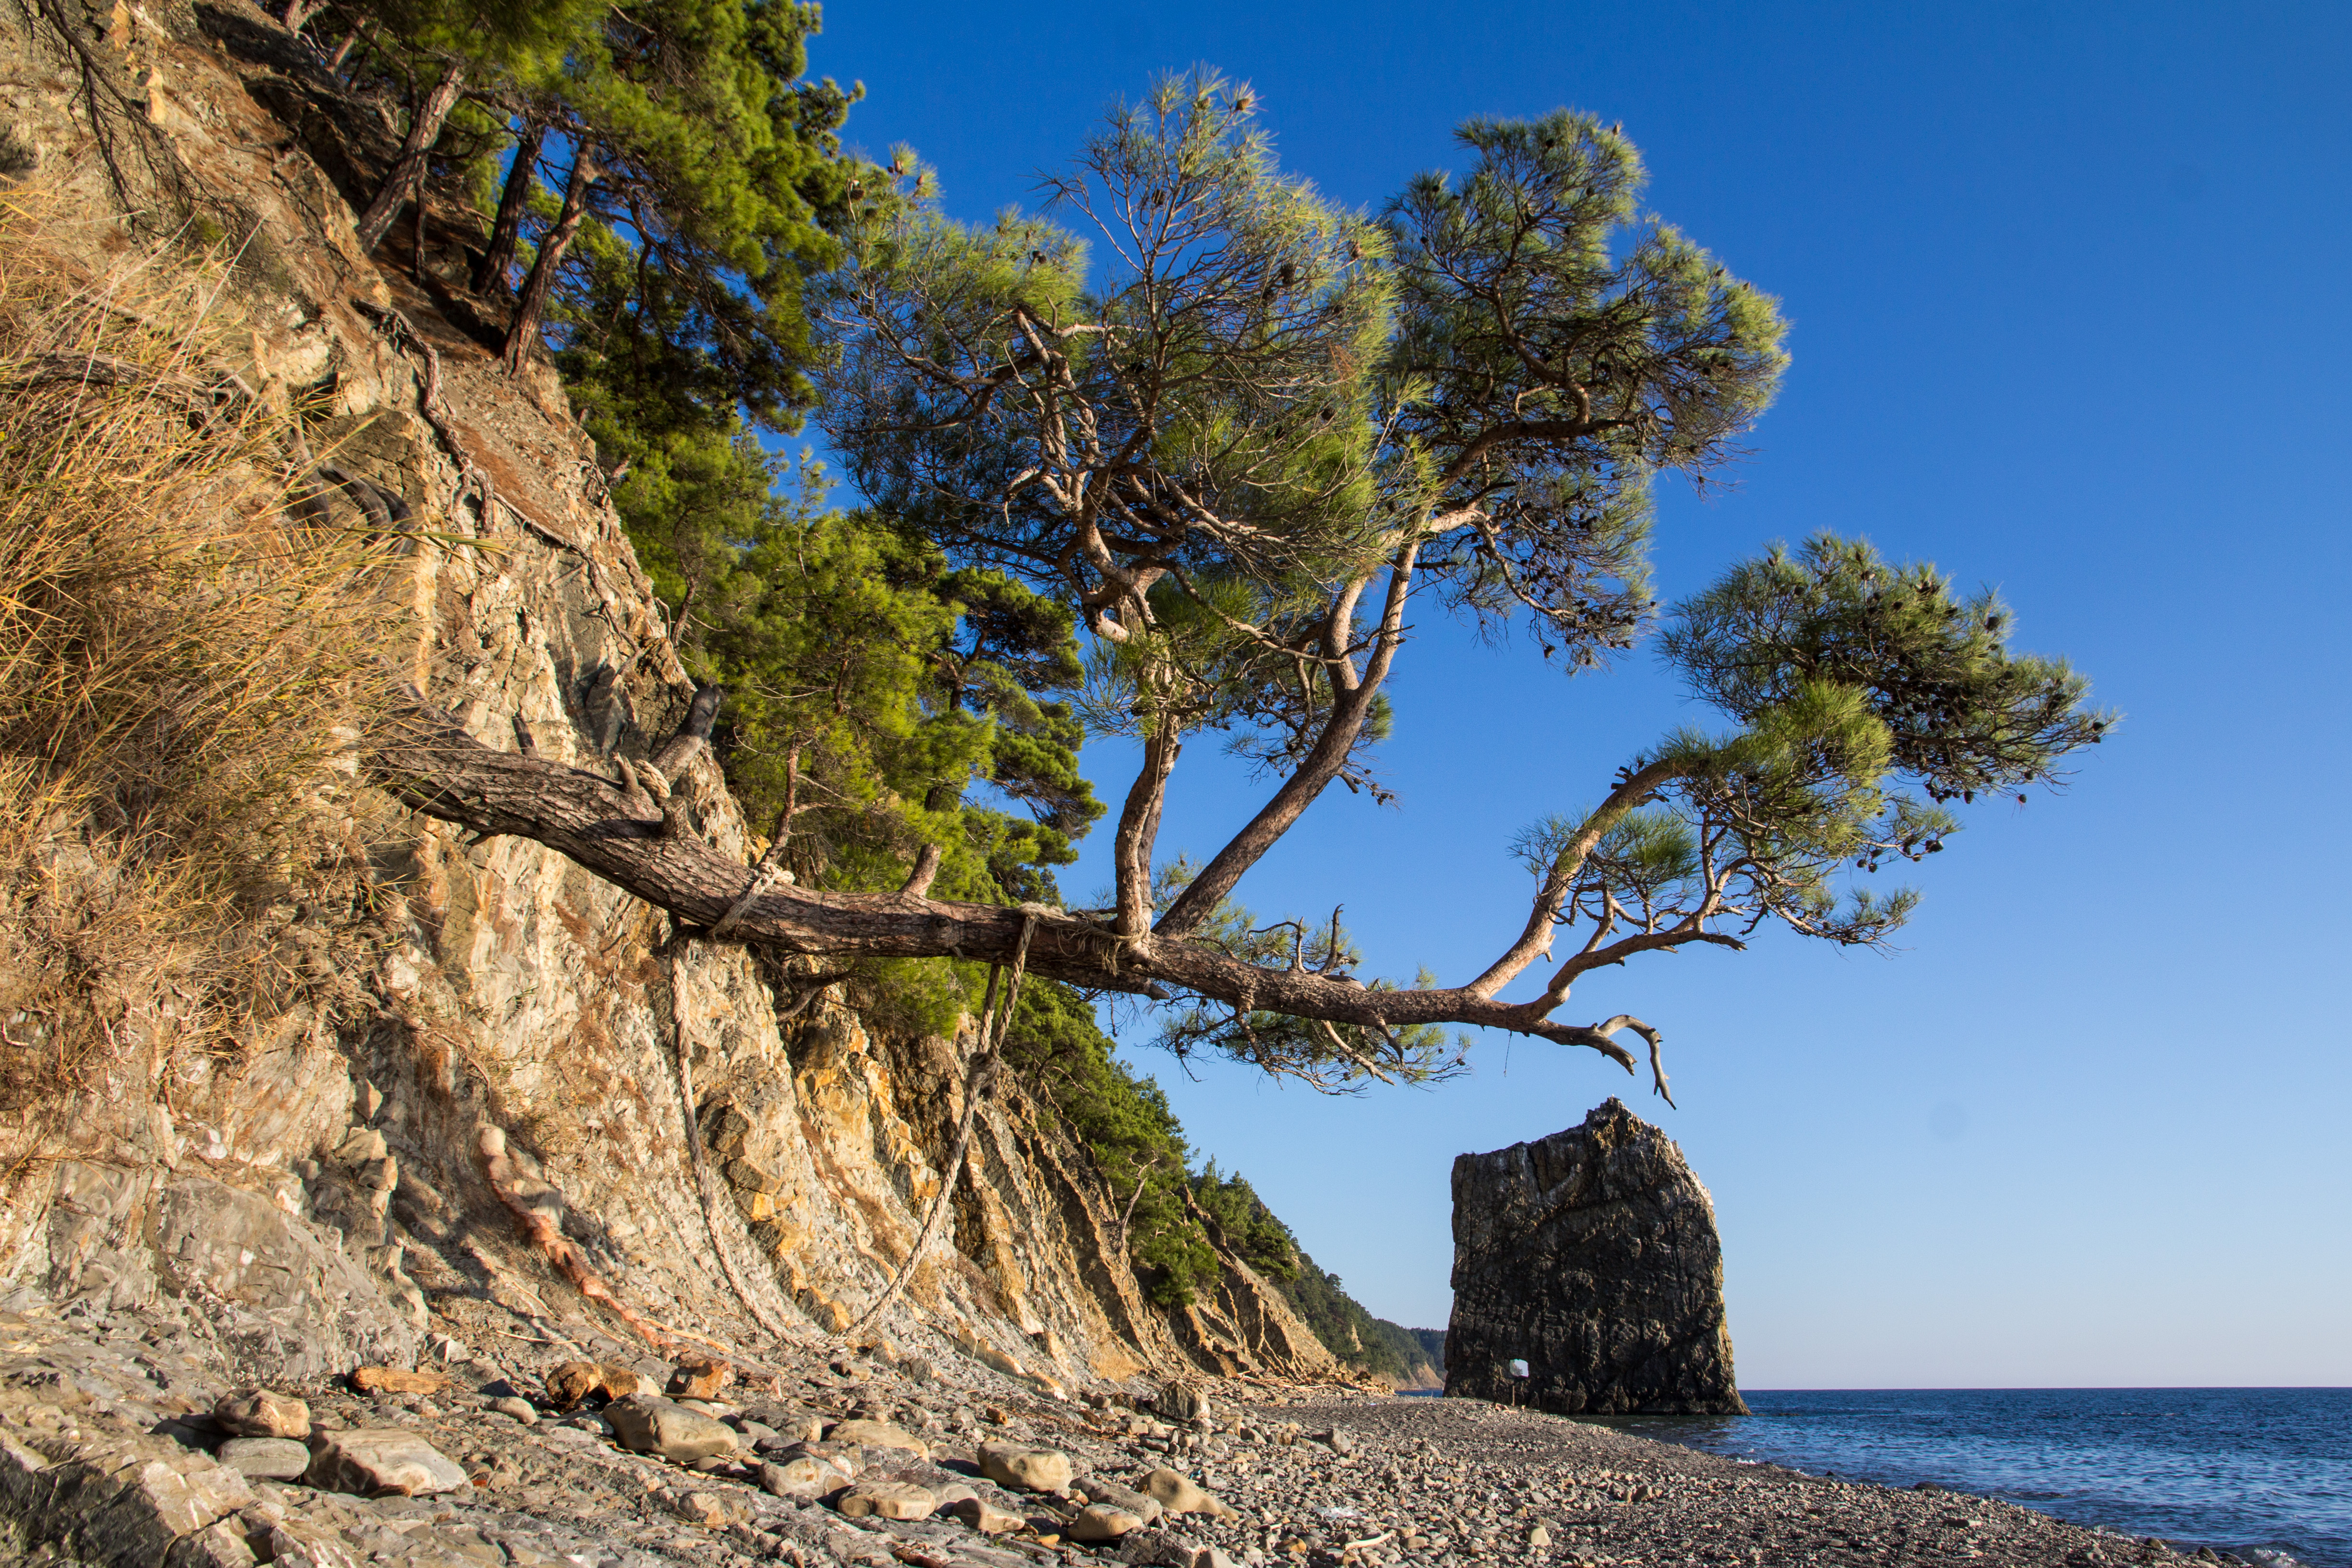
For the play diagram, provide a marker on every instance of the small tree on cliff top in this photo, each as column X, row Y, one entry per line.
column 1243, row 433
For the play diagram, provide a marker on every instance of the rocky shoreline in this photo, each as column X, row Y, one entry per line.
column 120, row 1447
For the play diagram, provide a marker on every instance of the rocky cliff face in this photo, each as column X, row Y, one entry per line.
column 489, row 1109
column 1592, row 1256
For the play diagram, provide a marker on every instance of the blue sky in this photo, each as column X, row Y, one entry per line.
column 2073, row 315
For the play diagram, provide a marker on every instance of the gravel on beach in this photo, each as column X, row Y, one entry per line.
column 1445, row 1482
column 882, row 1459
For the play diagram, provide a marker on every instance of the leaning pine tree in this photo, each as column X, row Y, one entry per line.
column 1253, row 440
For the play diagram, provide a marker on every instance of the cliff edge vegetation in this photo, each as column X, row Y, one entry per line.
column 294, row 1078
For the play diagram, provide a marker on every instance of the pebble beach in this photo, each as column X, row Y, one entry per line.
column 114, row 1444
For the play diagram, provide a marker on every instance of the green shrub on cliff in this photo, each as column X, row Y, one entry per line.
column 876, row 700
column 1171, row 1219
column 1370, row 1346
column 1246, row 1224
column 1061, row 1057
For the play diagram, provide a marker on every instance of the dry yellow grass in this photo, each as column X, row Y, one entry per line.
column 185, row 661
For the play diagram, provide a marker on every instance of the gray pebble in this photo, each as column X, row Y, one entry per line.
column 273, row 1458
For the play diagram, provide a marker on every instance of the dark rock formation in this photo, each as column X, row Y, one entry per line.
column 1591, row 1256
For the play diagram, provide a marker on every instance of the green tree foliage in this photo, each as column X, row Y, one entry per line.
column 1238, row 437
column 1244, row 1223
column 699, row 177
column 1175, row 1220
column 445, row 55
column 1867, row 695
column 1239, row 1219
column 718, row 177
column 1401, row 1354
column 872, row 683
column 1245, row 433
column 1126, row 1126
column 878, row 697
column 1373, row 1346
column 871, row 689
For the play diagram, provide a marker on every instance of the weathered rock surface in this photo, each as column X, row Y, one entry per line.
column 363, row 1180
column 1145, row 1507
column 381, row 1461
column 654, row 1425
column 877, row 1435
column 96, row 1468
column 891, row 1500
column 258, row 1413
column 578, row 1381
column 120, row 1501
column 806, row 1477
column 382, row 1380
column 1101, row 1521
column 699, row 1378
column 271, row 1458
column 1030, row 1469
column 1592, row 1256
column 978, row 1513
column 1179, row 1493
column 1182, row 1401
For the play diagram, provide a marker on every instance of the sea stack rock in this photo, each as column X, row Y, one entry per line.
column 1591, row 1256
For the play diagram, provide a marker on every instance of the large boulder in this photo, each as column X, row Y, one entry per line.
column 1591, row 1256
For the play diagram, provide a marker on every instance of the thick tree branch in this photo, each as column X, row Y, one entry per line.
column 1325, row 762
column 927, row 866
column 1139, row 829
column 612, row 829
column 1534, row 940
column 701, row 717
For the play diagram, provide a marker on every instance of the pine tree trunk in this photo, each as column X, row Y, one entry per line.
column 1138, row 828
column 298, row 13
column 506, row 229
column 524, row 331
column 406, row 176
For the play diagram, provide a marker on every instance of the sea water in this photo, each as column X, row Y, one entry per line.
column 2241, row 1469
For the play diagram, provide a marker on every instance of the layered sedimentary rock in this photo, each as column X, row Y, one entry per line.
column 1591, row 1256
column 494, row 1090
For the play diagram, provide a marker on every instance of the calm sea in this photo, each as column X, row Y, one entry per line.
column 2242, row 1469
